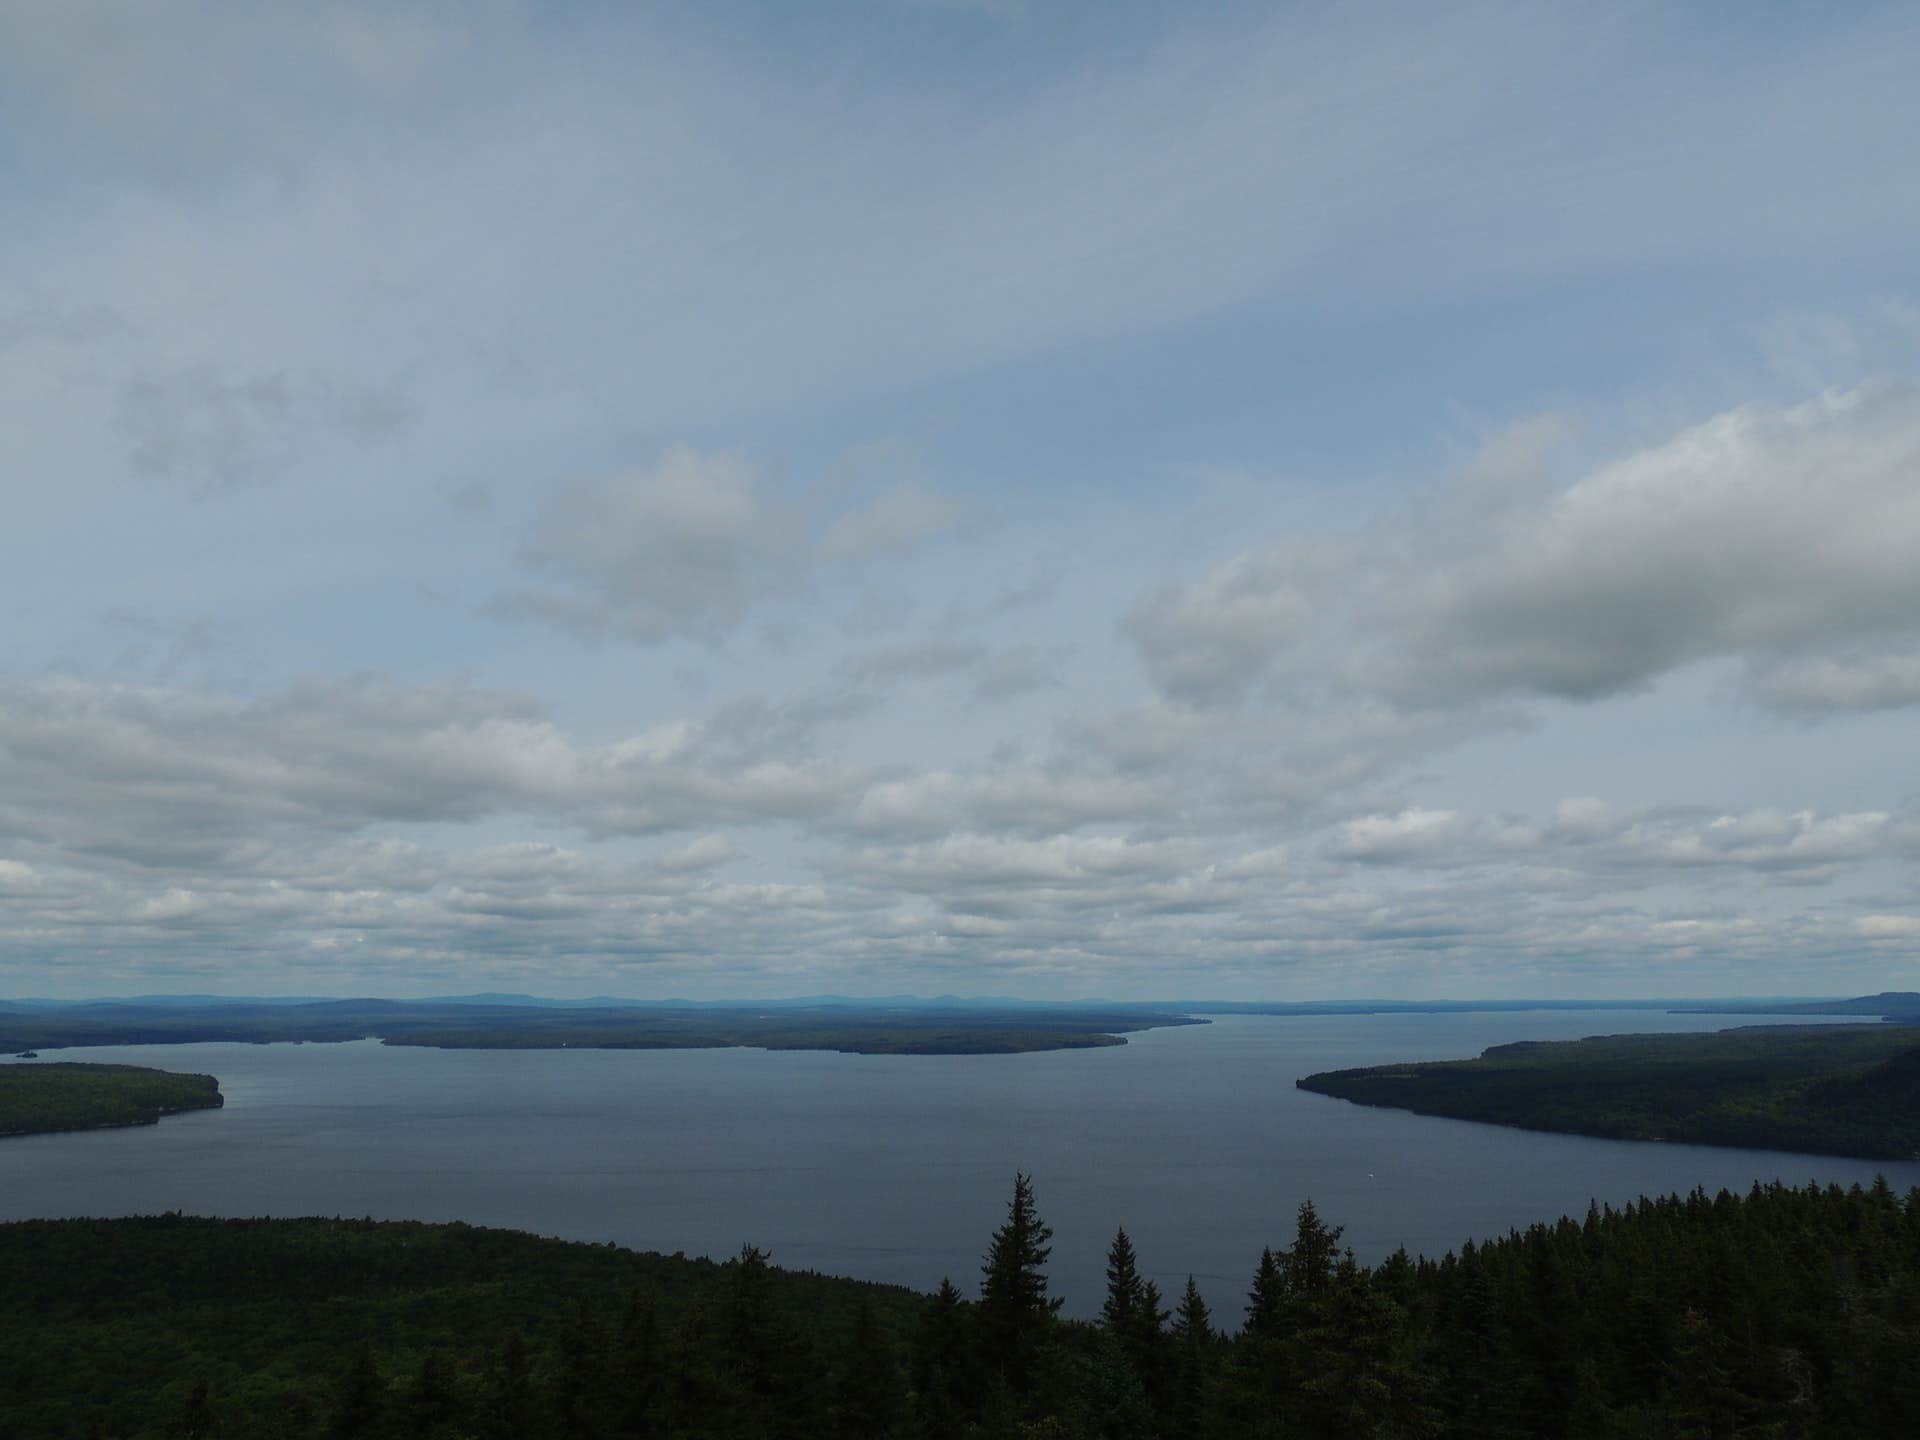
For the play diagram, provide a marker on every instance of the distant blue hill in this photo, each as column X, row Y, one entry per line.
column 1888, row 1002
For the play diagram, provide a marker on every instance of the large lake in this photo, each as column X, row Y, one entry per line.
column 889, row 1168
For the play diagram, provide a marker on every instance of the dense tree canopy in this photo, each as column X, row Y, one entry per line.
column 66, row 1096
column 1782, row 1313
column 1830, row 1090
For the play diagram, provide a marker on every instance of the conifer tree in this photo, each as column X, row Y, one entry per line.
column 1193, row 1351
column 1124, row 1296
column 1014, row 1308
column 1350, row 1363
column 1132, row 1318
column 750, row 1320
column 1192, row 1325
column 942, row 1365
column 1308, row 1266
column 1265, row 1298
column 1149, row 1342
column 1150, row 1318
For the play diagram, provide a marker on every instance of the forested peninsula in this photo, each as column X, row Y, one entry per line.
column 1780, row 1312
column 852, row 1027
column 1823, row 1089
column 39, row 1098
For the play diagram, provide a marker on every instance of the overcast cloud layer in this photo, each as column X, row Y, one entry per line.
column 1033, row 499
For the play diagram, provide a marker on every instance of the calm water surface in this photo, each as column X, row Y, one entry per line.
column 889, row 1168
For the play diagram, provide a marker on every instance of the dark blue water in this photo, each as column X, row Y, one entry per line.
column 885, row 1167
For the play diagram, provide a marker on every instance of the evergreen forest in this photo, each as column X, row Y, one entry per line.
column 35, row 1099
column 1780, row 1313
column 1817, row 1089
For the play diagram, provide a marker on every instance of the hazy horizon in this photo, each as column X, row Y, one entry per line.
column 976, row 999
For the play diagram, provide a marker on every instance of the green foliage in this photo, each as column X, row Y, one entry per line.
column 43, row 1097
column 1839, row 1090
column 1782, row 1313
column 309, row 1328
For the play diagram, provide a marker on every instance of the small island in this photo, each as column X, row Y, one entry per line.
column 38, row 1099
column 1822, row 1089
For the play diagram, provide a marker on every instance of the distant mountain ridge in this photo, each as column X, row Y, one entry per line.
column 1896, row 1001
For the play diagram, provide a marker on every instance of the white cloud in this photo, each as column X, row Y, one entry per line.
column 1819, row 685
column 1760, row 534
column 1412, row 834
column 1593, row 844
column 158, row 777
column 1217, row 638
column 1889, row 927
column 1772, row 537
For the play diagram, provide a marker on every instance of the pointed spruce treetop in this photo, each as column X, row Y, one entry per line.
column 1191, row 1322
column 1124, row 1294
column 1013, row 1278
column 1265, row 1299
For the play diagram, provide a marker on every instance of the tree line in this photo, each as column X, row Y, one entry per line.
column 1829, row 1090
column 1784, row 1312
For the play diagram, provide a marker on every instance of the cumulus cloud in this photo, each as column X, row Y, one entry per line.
column 1760, row 535
column 1433, row 837
column 1214, row 640
column 1608, row 844
column 1008, row 799
column 1891, row 928
column 158, row 777
column 1820, row 685
column 1773, row 538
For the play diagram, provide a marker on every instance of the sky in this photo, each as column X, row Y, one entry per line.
column 1022, row 498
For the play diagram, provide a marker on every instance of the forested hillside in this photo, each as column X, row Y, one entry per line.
column 1821, row 1089
column 39, row 1098
column 1780, row 1313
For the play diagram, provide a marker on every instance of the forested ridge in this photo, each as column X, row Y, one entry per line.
column 850, row 1027
column 1781, row 1313
column 1819, row 1089
column 35, row 1099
